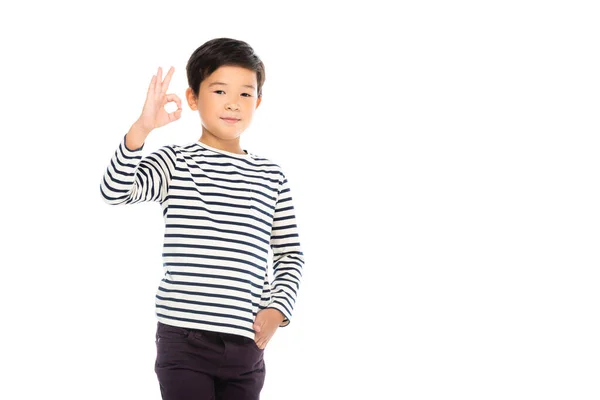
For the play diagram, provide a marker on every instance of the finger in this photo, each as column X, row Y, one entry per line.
column 262, row 339
column 158, row 85
column 165, row 83
column 175, row 115
column 152, row 83
column 258, row 323
column 172, row 97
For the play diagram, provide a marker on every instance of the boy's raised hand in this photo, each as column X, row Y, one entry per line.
column 154, row 114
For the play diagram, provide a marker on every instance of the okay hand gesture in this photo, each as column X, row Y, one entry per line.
column 154, row 114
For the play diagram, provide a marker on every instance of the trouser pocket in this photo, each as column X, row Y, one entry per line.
column 170, row 333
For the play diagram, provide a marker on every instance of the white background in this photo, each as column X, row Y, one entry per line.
column 443, row 158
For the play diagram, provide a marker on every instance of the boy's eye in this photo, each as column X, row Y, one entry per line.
column 243, row 94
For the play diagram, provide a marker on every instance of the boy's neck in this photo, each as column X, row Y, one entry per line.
column 231, row 146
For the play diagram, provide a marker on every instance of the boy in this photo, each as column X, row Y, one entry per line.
column 223, row 209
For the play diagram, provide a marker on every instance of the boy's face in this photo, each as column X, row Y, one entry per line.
column 229, row 92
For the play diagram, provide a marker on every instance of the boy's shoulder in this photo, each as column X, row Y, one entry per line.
column 268, row 163
column 272, row 162
column 264, row 160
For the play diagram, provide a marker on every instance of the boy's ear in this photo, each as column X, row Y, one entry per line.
column 191, row 99
column 258, row 102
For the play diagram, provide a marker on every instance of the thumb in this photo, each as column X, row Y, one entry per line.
column 257, row 324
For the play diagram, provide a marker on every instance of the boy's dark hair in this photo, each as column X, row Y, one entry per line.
column 216, row 53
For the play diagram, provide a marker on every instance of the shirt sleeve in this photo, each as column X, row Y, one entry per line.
column 130, row 179
column 288, row 259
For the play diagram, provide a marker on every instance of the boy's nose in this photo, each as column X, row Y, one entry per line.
column 232, row 106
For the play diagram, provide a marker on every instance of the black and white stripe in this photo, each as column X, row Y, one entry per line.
column 223, row 212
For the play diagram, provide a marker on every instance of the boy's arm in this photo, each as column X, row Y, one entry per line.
column 288, row 259
column 130, row 179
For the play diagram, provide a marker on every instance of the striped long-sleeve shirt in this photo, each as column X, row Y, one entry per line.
column 223, row 212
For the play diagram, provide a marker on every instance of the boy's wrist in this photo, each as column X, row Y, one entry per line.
column 283, row 317
column 136, row 136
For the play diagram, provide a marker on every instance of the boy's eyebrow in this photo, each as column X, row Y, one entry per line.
column 224, row 84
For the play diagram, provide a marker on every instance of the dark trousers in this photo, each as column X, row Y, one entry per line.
column 203, row 365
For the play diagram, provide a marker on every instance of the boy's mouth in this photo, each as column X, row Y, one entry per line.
column 230, row 120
